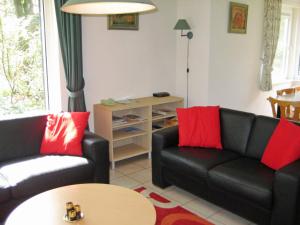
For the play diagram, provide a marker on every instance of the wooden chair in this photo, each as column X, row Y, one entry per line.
column 287, row 91
column 297, row 89
column 288, row 110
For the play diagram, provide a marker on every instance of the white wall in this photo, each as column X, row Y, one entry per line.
column 224, row 67
column 197, row 14
column 235, row 60
column 130, row 63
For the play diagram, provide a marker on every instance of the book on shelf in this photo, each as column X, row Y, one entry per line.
column 121, row 120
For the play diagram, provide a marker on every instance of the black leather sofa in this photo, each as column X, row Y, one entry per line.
column 232, row 178
column 24, row 172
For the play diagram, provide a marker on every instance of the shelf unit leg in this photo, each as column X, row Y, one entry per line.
column 149, row 155
column 113, row 165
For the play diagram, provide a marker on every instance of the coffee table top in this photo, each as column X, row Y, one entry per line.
column 101, row 204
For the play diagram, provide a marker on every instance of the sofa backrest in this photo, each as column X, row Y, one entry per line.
column 235, row 129
column 261, row 133
column 21, row 137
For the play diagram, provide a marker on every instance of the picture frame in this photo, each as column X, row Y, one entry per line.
column 123, row 21
column 238, row 18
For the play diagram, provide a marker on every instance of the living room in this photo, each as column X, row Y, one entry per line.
column 119, row 68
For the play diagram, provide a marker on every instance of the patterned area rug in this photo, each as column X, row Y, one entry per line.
column 169, row 213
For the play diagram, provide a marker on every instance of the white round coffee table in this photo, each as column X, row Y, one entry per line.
column 101, row 204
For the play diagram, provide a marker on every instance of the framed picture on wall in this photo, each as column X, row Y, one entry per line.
column 238, row 17
column 123, row 22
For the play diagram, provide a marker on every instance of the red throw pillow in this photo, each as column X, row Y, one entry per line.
column 64, row 133
column 200, row 127
column 283, row 147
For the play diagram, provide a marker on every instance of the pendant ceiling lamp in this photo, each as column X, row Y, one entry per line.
column 107, row 7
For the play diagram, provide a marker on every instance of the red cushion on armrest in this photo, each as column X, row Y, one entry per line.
column 283, row 147
column 64, row 133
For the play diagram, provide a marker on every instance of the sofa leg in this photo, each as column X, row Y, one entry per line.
column 157, row 178
column 161, row 184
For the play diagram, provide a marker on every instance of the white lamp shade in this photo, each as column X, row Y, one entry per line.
column 107, row 7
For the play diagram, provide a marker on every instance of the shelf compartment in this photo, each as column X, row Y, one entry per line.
column 128, row 124
column 119, row 135
column 128, row 151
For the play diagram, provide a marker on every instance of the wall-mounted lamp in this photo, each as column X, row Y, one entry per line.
column 182, row 24
column 107, row 7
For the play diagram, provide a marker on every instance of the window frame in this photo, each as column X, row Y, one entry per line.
column 52, row 63
column 292, row 73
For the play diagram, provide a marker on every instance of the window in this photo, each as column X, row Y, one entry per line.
column 286, row 66
column 27, row 29
column 22, row 67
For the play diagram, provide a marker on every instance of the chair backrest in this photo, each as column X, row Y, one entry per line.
column 297, row 89
column 287, row 91
column 288, row 110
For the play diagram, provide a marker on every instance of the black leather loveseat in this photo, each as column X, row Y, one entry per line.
column 24, row 172
column 233, row 178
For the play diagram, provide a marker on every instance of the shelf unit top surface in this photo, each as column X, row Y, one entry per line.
column 141, row 102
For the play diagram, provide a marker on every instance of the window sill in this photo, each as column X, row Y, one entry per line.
column 286, row 82
column 24, row 115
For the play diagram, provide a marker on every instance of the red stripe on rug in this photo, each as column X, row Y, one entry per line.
column 168, row 213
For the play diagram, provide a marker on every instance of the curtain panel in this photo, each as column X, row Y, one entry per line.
column 272, row 17
column 69, row 30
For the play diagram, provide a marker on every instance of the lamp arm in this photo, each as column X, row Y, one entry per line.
column 189, row 35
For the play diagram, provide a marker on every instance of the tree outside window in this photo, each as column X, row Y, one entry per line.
column 22, row 86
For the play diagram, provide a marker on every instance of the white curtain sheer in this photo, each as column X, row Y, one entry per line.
column 272, row 16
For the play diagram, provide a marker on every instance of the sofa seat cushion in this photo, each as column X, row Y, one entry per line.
column 245, row 178
column 194, row 162
column 32, row 175
column 4, row 189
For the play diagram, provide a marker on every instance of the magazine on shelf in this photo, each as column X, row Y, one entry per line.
column 132, row 118
column 117, row 120
column 130, row 129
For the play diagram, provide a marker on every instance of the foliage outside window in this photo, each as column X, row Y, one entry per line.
column 22, row 86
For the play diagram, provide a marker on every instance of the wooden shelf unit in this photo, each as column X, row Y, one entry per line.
column 133, row 138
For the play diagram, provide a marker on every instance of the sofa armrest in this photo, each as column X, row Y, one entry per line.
column 96, row 149
column 160, row 140
column 286, row 206
column 165, row 138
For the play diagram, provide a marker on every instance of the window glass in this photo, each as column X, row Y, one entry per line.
column 22, row 86
column 280, row 65
column 286, row 65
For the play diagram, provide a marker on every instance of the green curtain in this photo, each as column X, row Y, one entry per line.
column 69, row 29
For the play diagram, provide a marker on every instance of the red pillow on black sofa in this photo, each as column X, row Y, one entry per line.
column 199, row 127
column 64, row 133
column 283, row 147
